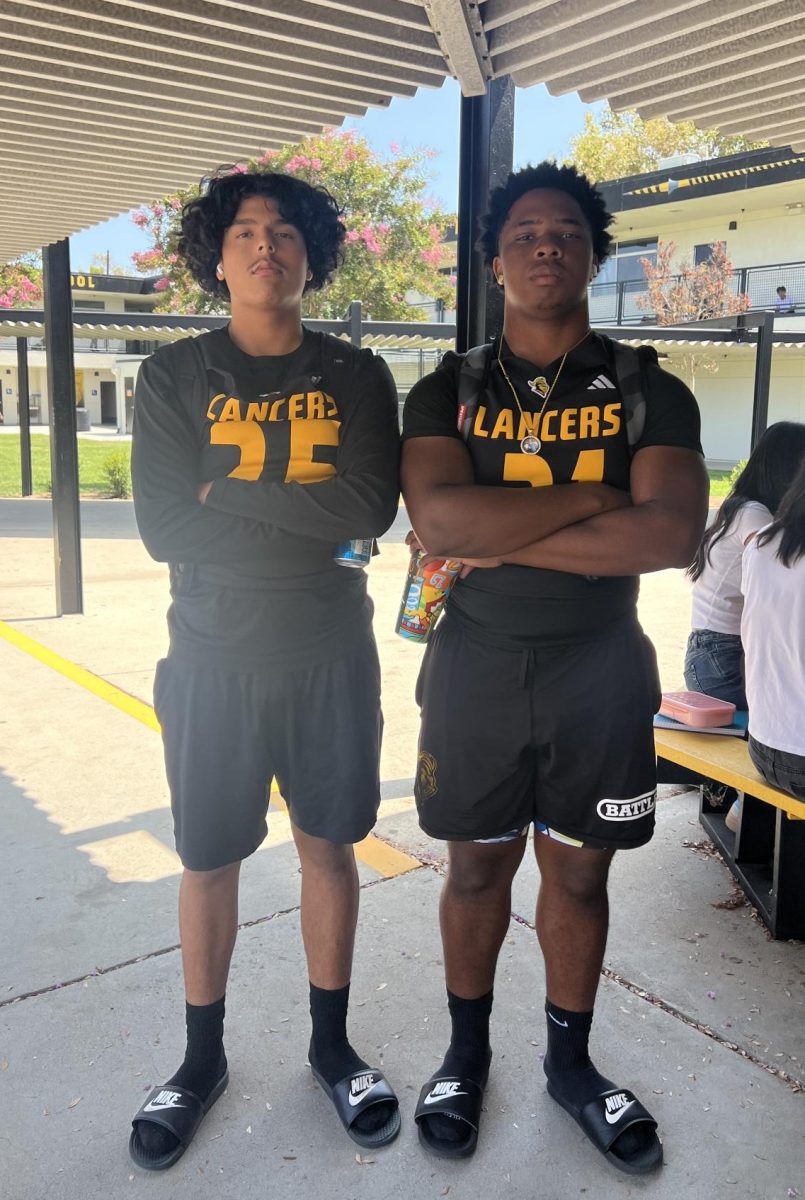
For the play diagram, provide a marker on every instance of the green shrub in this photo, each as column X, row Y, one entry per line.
column 735, row 472
column 116, row 472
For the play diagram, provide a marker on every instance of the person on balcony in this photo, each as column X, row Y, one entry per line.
column 783, row 303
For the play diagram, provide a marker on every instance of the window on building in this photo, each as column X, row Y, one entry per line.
column 624, row 265
column 702, row 253
column 80, row 304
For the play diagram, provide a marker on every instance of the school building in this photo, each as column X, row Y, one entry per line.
column 106, row 363
column 753, row 202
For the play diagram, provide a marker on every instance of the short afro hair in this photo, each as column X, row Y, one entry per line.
column 545, row 175
column 311, row 210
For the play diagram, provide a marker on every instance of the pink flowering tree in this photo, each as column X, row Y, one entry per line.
column 679, row 292
column 394, row 244
column 21, row 283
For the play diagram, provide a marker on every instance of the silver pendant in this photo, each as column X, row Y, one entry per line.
column 530, row 444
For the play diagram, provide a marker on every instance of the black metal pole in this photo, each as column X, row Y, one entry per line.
column 355, row 318
column 24, row 409
column 487, row 153
column 763, row 355
column 61, row 414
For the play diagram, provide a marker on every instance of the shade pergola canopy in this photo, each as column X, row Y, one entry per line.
column 112, row 103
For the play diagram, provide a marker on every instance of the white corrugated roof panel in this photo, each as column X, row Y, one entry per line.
column 108, row 104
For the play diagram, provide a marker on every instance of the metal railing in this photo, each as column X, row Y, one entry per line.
column 99, row 345
column 626, row 303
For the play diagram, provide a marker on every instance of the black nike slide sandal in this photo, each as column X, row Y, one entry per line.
column 178, row 1110
column 453, row 1096
column 356, row 1093
column 606, row 1118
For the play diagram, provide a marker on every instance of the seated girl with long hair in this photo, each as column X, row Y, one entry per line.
column 714, row 657
column 773, row 633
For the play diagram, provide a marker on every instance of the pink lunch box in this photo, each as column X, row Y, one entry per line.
column 696, row 709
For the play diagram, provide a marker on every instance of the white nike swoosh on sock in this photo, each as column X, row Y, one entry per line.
column 556, row 1021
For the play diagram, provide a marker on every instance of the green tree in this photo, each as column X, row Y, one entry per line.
column 615, row 144
column 394, row 232
column 21, row 282
column 104, row 264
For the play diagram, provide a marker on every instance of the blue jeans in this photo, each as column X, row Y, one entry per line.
column 714, row 664
column 779, row 768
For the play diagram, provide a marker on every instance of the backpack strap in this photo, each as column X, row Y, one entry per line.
column 630, row 365
column 336, row 354
column 472, row 379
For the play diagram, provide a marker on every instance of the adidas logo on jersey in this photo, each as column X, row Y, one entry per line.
column 600, row 382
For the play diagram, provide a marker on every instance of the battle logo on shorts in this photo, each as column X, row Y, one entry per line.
column 628, row 810
column 426, row 786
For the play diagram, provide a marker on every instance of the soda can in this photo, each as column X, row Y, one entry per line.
column 426, row 589
column 356, row 553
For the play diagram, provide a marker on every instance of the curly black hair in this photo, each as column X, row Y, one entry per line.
column 545, row 175
column 311, row 210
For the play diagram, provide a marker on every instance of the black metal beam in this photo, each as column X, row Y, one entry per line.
column 354, row 316
column 487, row 153
column 61, row 415
column 24, row 410
column 763, row 355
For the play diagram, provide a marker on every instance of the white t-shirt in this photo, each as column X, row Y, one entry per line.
column 773, row 633
column 717, row 599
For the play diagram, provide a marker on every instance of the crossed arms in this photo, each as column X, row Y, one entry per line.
column 580, row 528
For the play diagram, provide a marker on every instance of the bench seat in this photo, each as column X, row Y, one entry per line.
column 725, row 759
column 767, row 853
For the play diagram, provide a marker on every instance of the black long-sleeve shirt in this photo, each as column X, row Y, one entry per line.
column 302, row 450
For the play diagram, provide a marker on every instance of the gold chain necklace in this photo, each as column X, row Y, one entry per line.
column 531, row 444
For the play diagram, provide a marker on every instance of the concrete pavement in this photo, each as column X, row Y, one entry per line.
column 33, row 518
column 699, row 1012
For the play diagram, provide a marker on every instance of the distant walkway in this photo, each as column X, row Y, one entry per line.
column 108, row 519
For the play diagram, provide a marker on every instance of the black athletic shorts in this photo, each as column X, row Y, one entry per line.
column 317, row 730
column 559, row 736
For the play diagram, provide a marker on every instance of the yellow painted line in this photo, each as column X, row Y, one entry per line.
column 92, row 683
column 373, row 852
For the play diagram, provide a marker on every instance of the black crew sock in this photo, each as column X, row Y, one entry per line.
column 203, row 1066
column 332, row 1055
column 572, row 1074
column 468, row 1056
column 567, row 1062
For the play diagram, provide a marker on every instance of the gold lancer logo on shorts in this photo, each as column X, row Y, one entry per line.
column 426, row 785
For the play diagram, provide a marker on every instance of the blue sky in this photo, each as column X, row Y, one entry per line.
column 543, row 128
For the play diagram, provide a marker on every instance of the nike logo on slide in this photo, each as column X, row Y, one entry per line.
column 616, row 1106
column 164, row 1100
column 364, row 1089
column 556, row 1021
column 443, row 1091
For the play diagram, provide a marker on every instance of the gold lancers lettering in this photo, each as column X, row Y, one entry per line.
column 245, row 424
column 302, row 406
column 566, row 425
